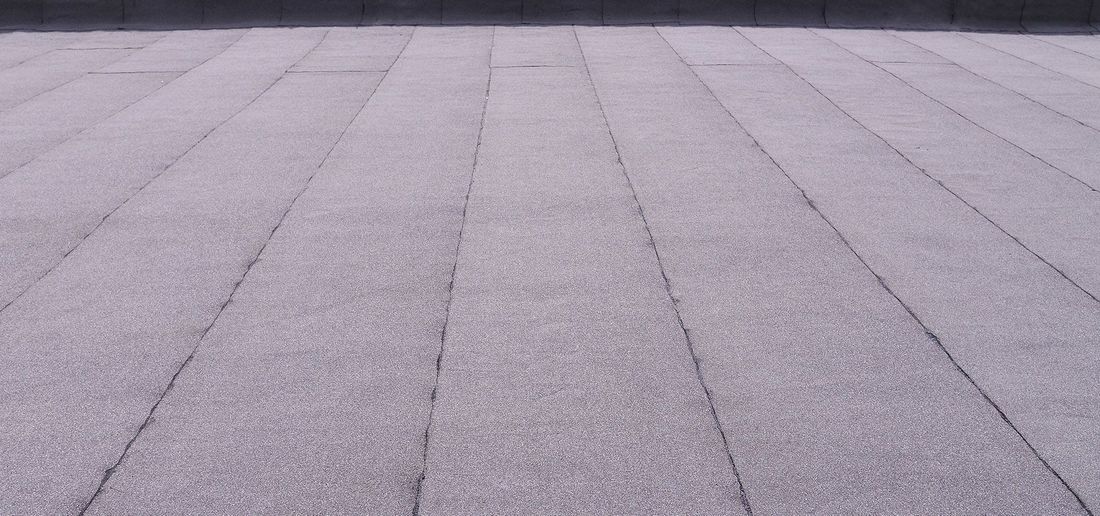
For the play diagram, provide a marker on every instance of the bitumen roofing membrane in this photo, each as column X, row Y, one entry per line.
column 566, row 268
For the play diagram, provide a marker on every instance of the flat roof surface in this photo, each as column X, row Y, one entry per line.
column 522, row 269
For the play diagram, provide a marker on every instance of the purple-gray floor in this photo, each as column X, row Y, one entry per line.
column 480, row 269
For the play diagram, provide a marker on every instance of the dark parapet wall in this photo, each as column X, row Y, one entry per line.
column 1033, row 15
column 322, row 12
column 735, row 12
column 896, row 13
column 21, row 13
column 153, row 13
column 1042, row 15
column 810, row 13
column 402, row 12
column 239, row 13
column 988, row 14
column 460, row 12
column 77, row 13
column 624, row 12
column 583, row 12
